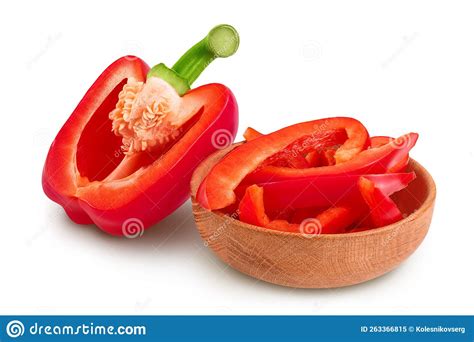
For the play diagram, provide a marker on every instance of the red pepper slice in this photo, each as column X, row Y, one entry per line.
column 217, row 189
column 386, row 158
column 252, row 208
column 379, row 141
column 283, row 226
column 295, row 198
column 292, row 156
column 86, row 171
column 382, row 209
column 251, row 134
column 329, row 190
column 335, row 220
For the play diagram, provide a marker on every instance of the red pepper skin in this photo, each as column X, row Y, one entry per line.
column 251, row 134
column 59, row 178
column 148, row 195
column 292, row 156
column 217, row 189
column 301, row 214
column 335, row 220
column 325, row 191
column 382, row 209
column 390, row 157
column 379, row 141
column 251, row 207
column 284, row 226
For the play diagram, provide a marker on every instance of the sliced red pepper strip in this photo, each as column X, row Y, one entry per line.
column 283, row 226
column 217, row 189
column 331, row 221
column 251, row 134
column 251, row 207
column 379, row 141
column 382, row 209
column 383, row 159
column 293, row 155
column 335, row 220
column 290, row 157
column 324, row 191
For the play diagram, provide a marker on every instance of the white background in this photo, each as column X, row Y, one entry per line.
column 398, row 67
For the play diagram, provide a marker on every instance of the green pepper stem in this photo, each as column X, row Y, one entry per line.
column 222, row 41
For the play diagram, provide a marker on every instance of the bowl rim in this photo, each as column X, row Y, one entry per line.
column 426, row 205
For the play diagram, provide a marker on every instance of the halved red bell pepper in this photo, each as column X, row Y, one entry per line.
column 217, row 189
column 114, row 180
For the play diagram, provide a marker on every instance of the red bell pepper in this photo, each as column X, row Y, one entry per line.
column 138, row 174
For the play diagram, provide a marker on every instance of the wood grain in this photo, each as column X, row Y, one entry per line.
column 323, row 261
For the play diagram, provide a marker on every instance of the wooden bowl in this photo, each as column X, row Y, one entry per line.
column 321, row 261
